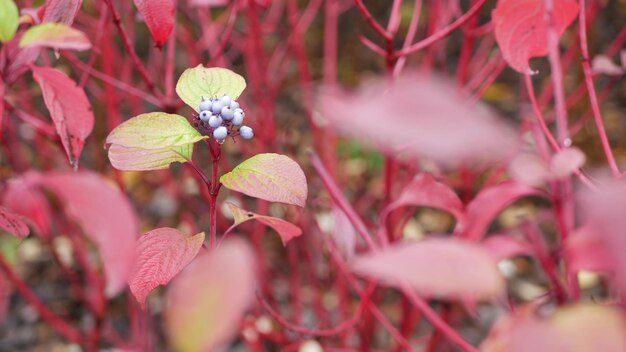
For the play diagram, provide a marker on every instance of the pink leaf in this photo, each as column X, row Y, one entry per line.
column 206, row 302
column 61, row 11
column 419, row 115
column 503, row 247
column 12, row 224
column 106, row 216
column 159, row 17
column 566, row 162
column 578, row 327
column 586, row 250
column 285, row 229
column 69, row 108
column 604, row 210
column 425, row 191
column 490, row 202
column 446, row 268
column 604, row 64
column 27, row 201
column 529, row 169
column 521, row 29
column 343, row 233
column 18, row 60
column 1, row 104
column 55, row 35
column 160, row 255
column 209, row 3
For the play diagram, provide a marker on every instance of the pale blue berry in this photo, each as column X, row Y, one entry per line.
column 237, row 118
column 220, row 133
column 205, row 115
column 215, row 121
column 241, row 111
column 216, row 107
column 227, row 113
column 246, row 132
column 234, row 105
column 225, row 100
column 205, row 105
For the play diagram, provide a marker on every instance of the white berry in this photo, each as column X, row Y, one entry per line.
column 234, row 105
column 215, row 121
column 227, row 113
column 205, row 115
column 220, row 133
column 216, row 107
column 205, row 105
column 246, row 132
column 225, row 100
column 237, row 118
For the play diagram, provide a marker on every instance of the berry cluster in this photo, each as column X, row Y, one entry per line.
column 220, row 117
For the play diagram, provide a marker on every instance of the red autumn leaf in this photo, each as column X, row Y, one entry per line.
column 425, row 191
column 447, row 268
column 69, row 108
column 285, row 229
column 23, row 199
column 521, row 29
column 60, row 11
column 12, row 223
column 160, row 255
column 159, row 17
column 490, row 202
column 106, row 217
column 206, row 302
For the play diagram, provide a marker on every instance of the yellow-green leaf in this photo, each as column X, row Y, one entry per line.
column 138, row 159
column 55, row 35
column 272, row 177
column 156, row 130
column 202, row 82
column 9, row 20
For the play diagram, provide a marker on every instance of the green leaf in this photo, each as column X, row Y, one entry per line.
column 156, row 130
column 272, row 177
column 201, row 82
column 55, row 35
column 9, row 20
column 152, row 142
